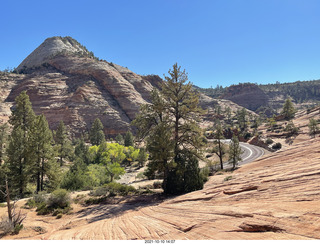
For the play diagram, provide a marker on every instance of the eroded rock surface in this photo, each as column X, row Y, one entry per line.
column 276, row 197
column 66, row 82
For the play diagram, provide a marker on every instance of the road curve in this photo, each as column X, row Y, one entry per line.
column 250, row 153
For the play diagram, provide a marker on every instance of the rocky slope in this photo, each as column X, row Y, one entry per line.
column 66, row 82
column 247, row 95
column 276, row 197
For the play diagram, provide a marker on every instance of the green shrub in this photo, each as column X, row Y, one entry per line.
column 228, row 178
column 100, row 191
column 269, row 141
column 277, row 146
column 17, row 229
column 59, row 199
column 93, row 200
column 3, row 205
column 204, row 173
column 247, row 135
column 36, row 200
column 59, row 216
column 42, row 209
column 117, row 188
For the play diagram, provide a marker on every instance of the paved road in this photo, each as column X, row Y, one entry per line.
column 250, row 153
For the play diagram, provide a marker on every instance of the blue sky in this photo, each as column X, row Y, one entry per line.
column 217, row 41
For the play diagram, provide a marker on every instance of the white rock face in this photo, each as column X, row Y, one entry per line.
column 49, row 48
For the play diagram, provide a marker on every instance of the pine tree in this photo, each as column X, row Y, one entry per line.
column 128, row 139
column 81, row 151
column 142, row 157
column 96, row 133
column 288, row 109
column 62, row 142
column 170, row 124
column 242, row 119
column 43, row 154
column 219, row 148
column 19, row 149
column 234, row 152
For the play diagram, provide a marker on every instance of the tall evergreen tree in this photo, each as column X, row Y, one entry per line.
column 219, row 148
column 62, row 142
column 128, row 139
column 81, row 151
column 288, row 109
column 119, row 139
column 171, row 126
column 234, row 151
column 242, row 119
column 43, row 155
column 96, row 133
column 19, row 155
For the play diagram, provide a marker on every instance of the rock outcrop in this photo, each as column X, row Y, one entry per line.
column 246, row 95
column 67, row 82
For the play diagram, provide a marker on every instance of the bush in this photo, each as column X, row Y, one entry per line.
column 277, row 146
column 204, row 173
column 157, row 185
column 118, row 188
column 59, row 199
column 59, row 216
column 17, row 229
column 6, row 226
column 100, row 191
column 269, row 141
column 228, row 178
column 92, row 200
column 247, row 135
column 42, row 209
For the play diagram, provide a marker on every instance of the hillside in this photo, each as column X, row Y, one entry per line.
column 272, row 96
column 67, row 82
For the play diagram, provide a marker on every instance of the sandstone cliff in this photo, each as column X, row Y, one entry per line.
column 247, row 95
column 67, row 82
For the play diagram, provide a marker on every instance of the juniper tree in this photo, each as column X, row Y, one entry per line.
column 313, row 127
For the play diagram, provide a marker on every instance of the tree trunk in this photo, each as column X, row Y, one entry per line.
column 165, row 175
column 220, row 154
column 41, row 179
column 8, row 202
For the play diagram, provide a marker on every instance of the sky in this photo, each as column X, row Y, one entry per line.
column 217, row 42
